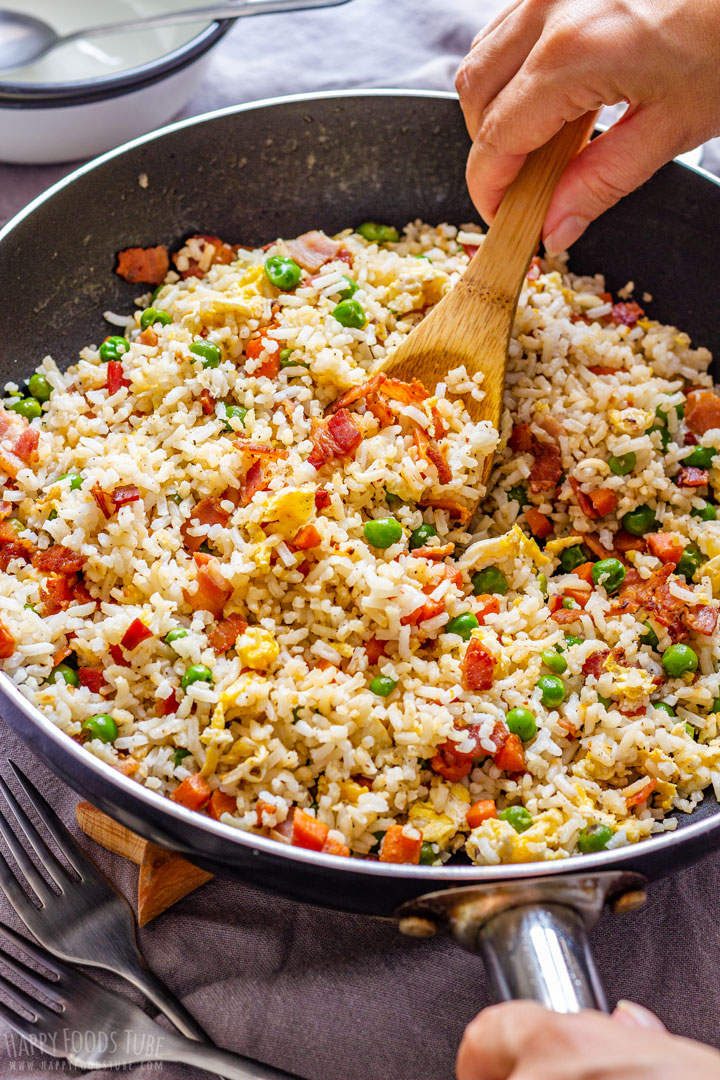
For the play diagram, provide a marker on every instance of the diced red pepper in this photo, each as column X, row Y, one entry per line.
column 136, row 632
column 478, row 666
column 115, row 377
column 92, row 678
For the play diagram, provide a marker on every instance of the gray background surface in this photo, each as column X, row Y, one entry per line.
column 325, row 995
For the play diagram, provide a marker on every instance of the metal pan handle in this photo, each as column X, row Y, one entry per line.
column 532, row 934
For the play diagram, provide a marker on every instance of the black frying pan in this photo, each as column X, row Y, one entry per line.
column 252, row 173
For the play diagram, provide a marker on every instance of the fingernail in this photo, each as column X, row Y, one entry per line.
column 565, row 234
column 631, row 1014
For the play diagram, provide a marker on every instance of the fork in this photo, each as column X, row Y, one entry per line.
column 88, row 921
column 94, row 1028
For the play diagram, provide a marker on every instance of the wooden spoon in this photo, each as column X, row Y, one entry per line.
column 471, row 325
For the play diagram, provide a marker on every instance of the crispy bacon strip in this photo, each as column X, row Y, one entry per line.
column 624, row 542
column 211, row 591
column 207, row 402
column 692, row 477
column 59, row 559
column 654, row 597
column 547, row 467
column 103, row 500
column 702, row 411
column 226, row 632
column 18, row 442
column 207, row 512
column 455, row 509
column 478, row 666
column 116, row 377
column 136, row 633
column 273, row 453
column 335, row 437
column 595, row 663
column 436, row 554
column 221, row 255
column 625, row 313
column 253, row 481
column 148, row 265
column 313, row 249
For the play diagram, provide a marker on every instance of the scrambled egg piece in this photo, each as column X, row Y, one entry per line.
column 245, row 297
column 507, row 546
column 633, row 684
column 257, row 648
column 536, row 843
column 554, row 547
column 630, row 421
column 288, row 511
column 436, row 828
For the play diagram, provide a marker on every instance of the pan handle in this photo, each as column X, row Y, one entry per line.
column 532, row 934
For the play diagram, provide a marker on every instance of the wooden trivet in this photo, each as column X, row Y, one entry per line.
column 164, row 877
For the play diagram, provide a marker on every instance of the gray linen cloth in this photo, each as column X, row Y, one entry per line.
column 325, row 995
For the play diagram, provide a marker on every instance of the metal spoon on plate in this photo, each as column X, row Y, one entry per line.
column 25, row 38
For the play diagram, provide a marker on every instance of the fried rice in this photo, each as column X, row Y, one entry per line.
column 352, row 664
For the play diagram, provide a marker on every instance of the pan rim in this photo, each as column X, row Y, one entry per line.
column 161, row 805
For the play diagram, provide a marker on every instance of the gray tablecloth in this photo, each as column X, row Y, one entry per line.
column 325, row 995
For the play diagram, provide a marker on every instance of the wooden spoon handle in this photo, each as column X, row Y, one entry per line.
column 513, row 238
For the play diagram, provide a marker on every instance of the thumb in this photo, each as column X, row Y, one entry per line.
column 609, row 167
column 630, row 1014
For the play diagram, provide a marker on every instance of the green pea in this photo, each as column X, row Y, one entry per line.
column 66, row 673
column 708, row 512
column 623, row 464
column 490, row 580
column 690, row 730
column 569, row 604
column 572, row 557
column 594, row 838
column 662, row 706
column 175, row 634
column 102, row 727
column 30, row 607
column 690, row 562
column 114, row 347
column 606, row 702
column 519, row 495
column 571, row 639
column 679, row 659
column 39, row 387
column 210, row 354
column 610, row 573
column 76, row 481
column 349, row 291
column 153, row 315
column 428, row 855
column 27, row 407
column 283, row 272
column 378, row 234
column 196, row 673
column 553, row 660
column 552, row 690
column 234, row 412
column 462, row 625
column 350, row 313
column 52, row 515
column 521, row 722
column 650, row 638
column 701, row 457
column 420, row 536
column 382, row 685
column 639, row 521
column 518, row 817
column 178, row 754
column 383, row 532
column 716, row 705
column 286, row 360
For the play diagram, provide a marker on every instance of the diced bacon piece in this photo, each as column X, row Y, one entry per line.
column 27, row 444
column 604, row 501
column 211, row 591
column 478, row 666
column 654, row 597
column 435, row 455
column 322, row 499
column 92, row 678
column 540, row 525
column 226, row 632
column 58, row 559
column 118, row 656
column 439, row 428
column 146, row 265
column 103, row 499
column 693, row 477
column 169, row 705
column 194, row 792
column 207, row 402
column 435, row 554
column 521, row 439
column 7, row 642
column 564, row 616
column 598, row 369
column 702, row 619
column 702, row 411
column 547, row 467
column 60, row 654
column 220, row 804
column 640, row 796
column 307, row 831
column 258, row 449
column 396, row 847
column 510, row 757
column 116, row 377
column 18, row 442
column 206, row 512
column 253, row 481
column 335, row 437
column 453, row 763
column 188, row 266
column 136, row 633
column 665, row 547
column 595, row 663
column 126, row 493
column 6, row 509
column 305, row 538
column 455, row 509
column 313, row 249
column 358, row 392
column 374, row 649
column 14, row 550
column 57, row 593
column 625, row 314
column 409, row 393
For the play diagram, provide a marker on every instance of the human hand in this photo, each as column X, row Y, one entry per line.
column 524, row 1041
column 543, row 62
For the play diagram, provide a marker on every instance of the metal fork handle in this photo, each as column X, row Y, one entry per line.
column 146, row 981
column 211, row 12
column 217, row 1061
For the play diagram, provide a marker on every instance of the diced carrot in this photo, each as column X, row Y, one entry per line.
column 399, row 848
column 511, row 755
column 193, row 792
column 540, row 525
column 335, row 847
column 584, row 571
column 641, row 795
column 60, row 655
column 488, row 605
column 665, row 547
column 554, row 603
column 426, row 611
column 308, row 832
column 603, row 500
column 374, row 649
column 220, row 804
column 305, row 538
column 480, row 811
column 262, row 808
column 270, row 365
column 580, row 596
column 7, row 643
